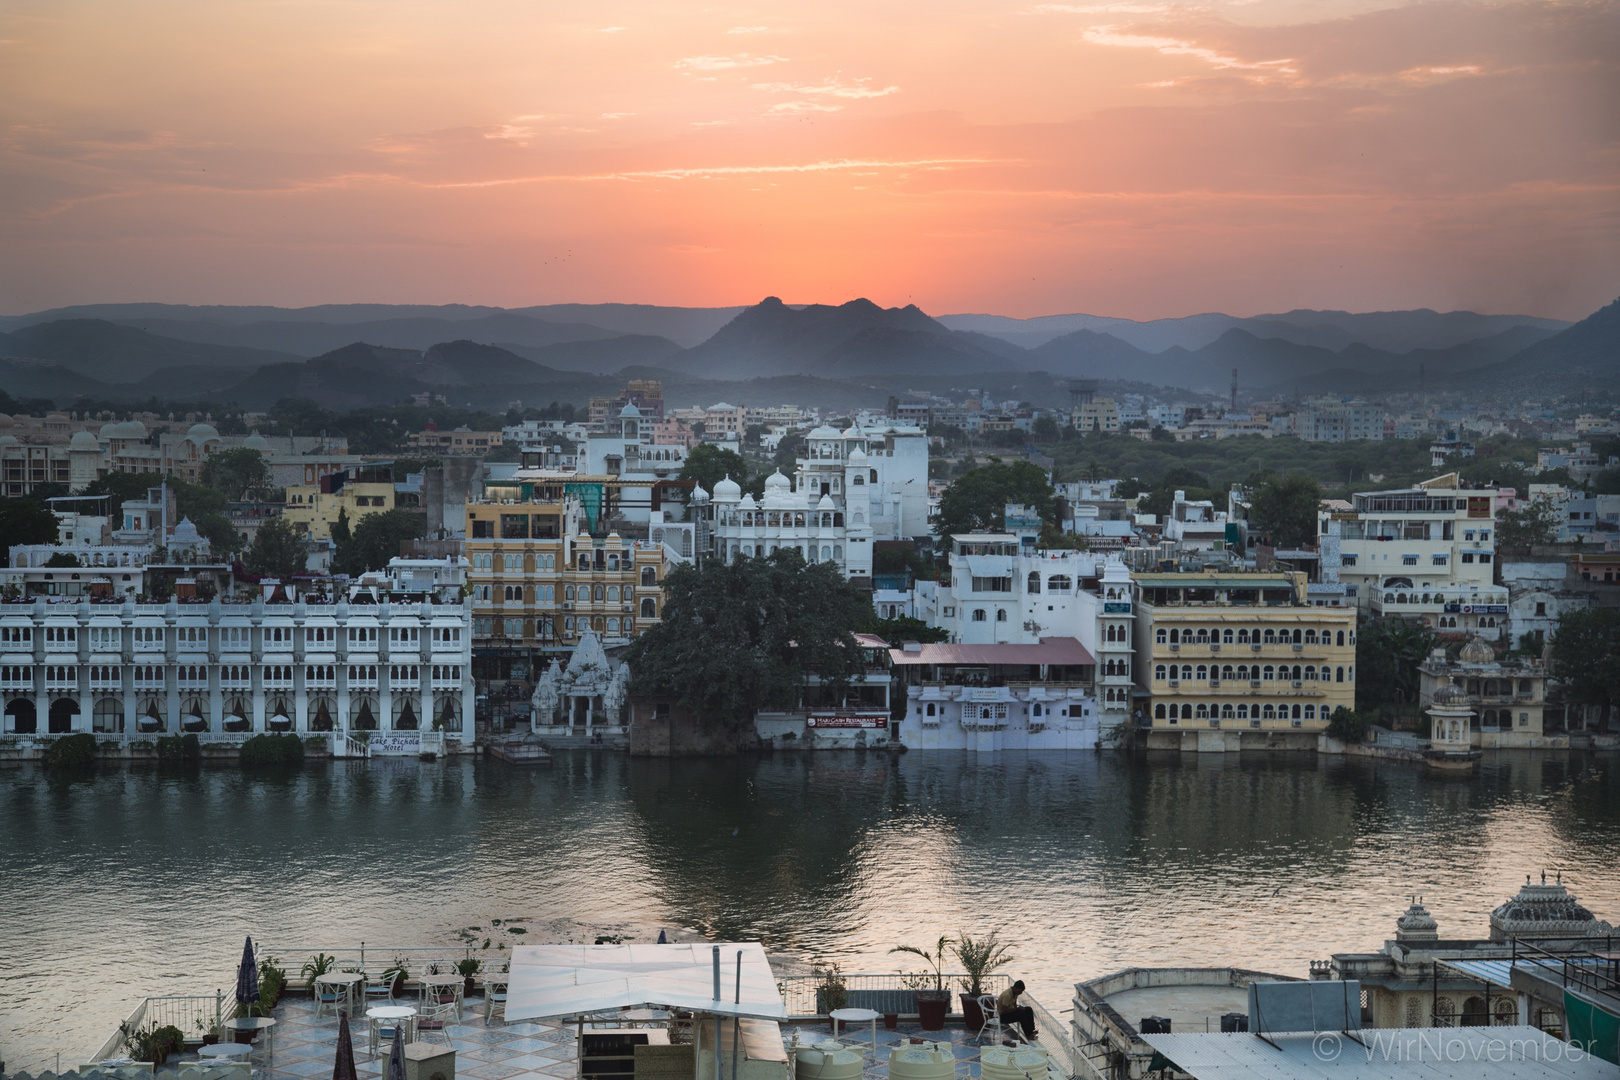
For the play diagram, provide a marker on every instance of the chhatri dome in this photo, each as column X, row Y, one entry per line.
column 1417, row 924
column 1476, row 652
column 727, row 490
column 83, row 440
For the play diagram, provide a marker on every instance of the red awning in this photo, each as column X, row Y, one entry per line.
column 1052, row 650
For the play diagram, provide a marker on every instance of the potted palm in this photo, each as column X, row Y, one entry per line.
column 978, row 957
column 933, row 1000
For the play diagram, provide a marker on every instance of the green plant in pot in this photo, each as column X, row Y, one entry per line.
column 467, row 969
column 318, row 965
column 933, row 1000
column 396, row 973
column 832, row 993
column 978, row 957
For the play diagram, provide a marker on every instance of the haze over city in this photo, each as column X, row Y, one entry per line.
column 1139, row 159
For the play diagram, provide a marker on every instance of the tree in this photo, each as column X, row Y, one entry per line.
column 977, row 501
column 341, row 532
column 1046, row 429
column 710, row 463
column 903, row 628
column 238, row 473
column 1533, row 523
column 24, row 521
column 1586, row 656
column 376, row 540
column 277, row 550
column 1388, row 653
column 741, row 637
column 1284, row 508
column 1607, row 482
column 787, row 451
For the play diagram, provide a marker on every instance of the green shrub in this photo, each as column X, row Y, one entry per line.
column 178, row 748
column 1347, row 725
column 272, row 981
column 265, row 751
column 71, row 752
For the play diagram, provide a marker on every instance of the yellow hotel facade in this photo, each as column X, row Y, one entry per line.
column 1238, row 655
column 542, row 572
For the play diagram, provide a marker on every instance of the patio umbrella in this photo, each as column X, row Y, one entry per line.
column 343, row 1066
column 247, row 976
column 396, row 1054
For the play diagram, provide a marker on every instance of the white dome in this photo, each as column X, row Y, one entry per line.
column 6, row 422
column 83, row 440
column 823, row 432
column 747, row 503
column 857, row 454
column 630, row 412
column 257, row 442
column 8, row 440
column 203, row 431
column 826, row 503
column 698, row 494
column 727, row 490
column 185, row 533
column 129, row 429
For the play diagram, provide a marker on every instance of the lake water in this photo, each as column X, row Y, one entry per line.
column 138, row 881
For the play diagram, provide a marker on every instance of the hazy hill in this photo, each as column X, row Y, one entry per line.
column 107, row 351
column 601, row 356
column 306, row 338
column 772, row 338
column 1587, row 353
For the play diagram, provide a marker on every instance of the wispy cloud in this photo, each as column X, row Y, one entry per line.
column 1109, row 35
column 749, row 30
column 725, row 63
column 712, row 171
column 610, row 29
column 616, row 115
column 1098, row 9
column 831, row 88
column 804, row 107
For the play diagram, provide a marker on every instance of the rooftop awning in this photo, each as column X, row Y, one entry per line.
column 1052, row 650
column 550, row 982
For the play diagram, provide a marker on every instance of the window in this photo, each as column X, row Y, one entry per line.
column 16, row 635
column 1159, row 636
column 1409, row 560
column 1034, row 581
column 1348, row 560
column 1001, row 615
column 514, row 628
column 950, row 612
column 1058, row 583
column 1341, row 637
column 978, row 614
column 1226, row 637
column 1440, row 560
column 992, row 584
column 1338, row 674
column 1468, row 556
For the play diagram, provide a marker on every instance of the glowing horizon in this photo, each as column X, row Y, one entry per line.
column 1131, row 158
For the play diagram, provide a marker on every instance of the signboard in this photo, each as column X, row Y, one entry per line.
column 1116, row 607
column 1484, row 609
column 1479, row 507
column 395, row 745
column 985, row 693
column 867, row 722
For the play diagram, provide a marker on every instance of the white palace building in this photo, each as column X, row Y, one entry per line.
column 135, row 670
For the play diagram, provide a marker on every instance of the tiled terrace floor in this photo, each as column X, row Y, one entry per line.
column 305, row 1046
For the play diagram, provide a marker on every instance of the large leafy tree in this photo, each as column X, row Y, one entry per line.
column 710, row 463
column 24, row 521
column 237, row 473
column 376, row 539
column 1586, row 656
column 204, row 505
column 276, row 551
column 1533, row 523
column 741, row 637
column 977, row 500
column 1283, row 509
column 1388, row 653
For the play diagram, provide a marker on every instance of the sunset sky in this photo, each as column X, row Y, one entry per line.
column 1139, row 158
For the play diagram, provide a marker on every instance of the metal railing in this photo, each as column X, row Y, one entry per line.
column 374, row 959
column 806, row 999
column 194, row 1014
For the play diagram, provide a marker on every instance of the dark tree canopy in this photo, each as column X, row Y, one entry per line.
column 977, row 500
column 376, row 539
column 1388, row 653
column 741, row 637
column 24, row 521
column 1283, row 509
column 237, row 473
column 276, row 551
column 1533, row 523
column 1586, row 656
column 710, row 463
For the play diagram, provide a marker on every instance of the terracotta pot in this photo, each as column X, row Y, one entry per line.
column 932, row 1005
column 972, row 1015
column 467, row 990
column 891, row 1021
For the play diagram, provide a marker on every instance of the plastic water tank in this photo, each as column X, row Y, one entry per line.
column 1154, row 1025
column 922, row 1061
column 827, row 1061
column 1234, row 1021
column 1012, row 1063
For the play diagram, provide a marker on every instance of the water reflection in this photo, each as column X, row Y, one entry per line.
column 139, row 881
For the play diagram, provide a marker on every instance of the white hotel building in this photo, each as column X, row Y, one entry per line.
column 130, row 670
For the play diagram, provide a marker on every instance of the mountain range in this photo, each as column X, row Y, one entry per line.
column 350, row 355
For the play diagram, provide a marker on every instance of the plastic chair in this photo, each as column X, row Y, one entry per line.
column 436, row 1018
column 992, row 1016
column 329, row 998
column 494, row 997
column 379, row 992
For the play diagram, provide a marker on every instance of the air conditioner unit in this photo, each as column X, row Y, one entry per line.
column 1175, row 682
column 1255, row 647
column 1255, row 683
column 1214, row 682
column 1298, row 683
column 568, row 605
column 1214, row 646
column 1175, row 648
column 1299, row 648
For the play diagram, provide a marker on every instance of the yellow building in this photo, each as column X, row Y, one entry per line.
column 459, row 443
column 1229, row 651
column 359, row 491
column 540, row 578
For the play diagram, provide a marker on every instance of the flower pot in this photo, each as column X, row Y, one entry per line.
column 972, row 1015
column 467, row 990
column 891, row 1021
column 932, row 1006
column 210, row 1039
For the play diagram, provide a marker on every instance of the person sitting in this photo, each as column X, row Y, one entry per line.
column 1011, row 1012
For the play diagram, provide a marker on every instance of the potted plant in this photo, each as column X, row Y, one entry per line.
column 832, row 993
column 319, row 964
column 397, row 973
column 467, row 969
column 978, row 957
column 933, row 1000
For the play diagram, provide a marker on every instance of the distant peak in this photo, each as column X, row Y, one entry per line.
column 771, row 301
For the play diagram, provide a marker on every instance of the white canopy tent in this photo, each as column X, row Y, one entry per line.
column 554, row 982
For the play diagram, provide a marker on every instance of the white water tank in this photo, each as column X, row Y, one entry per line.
column 922, row 1061
column 827, row 1061
column 1011, row 1063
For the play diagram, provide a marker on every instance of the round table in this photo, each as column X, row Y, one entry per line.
column 347, row 980
column 253, row 1027
column 457, row 984
column 390, row 1016
column 856, row 1016
column 225, row 1050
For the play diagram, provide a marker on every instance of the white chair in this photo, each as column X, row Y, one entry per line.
column 382, row 1031
column 992, row 1016
column 494, row 996
column 436, row 1018
column 379, row 991
column 329, row 998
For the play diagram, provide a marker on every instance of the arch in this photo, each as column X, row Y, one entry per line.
column 1001, row 615
column 320, row 714
column 1202, row 712
column 405, row 717
column 649, row 608
column 1186, row 712
column 1158, row 712
column 1175, row 637
column 1227, row 712
column 978, row 614
column 60, row 717
column 1160, row 637
column 1034, row 583
column 1268, row 712
column 649, row 577
column 1412, row 1016
column 21, row 716
column 363, row 713
column 107, row 715
column 1474, row 1013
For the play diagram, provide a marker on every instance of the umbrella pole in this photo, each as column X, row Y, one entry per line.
column 736, row 1021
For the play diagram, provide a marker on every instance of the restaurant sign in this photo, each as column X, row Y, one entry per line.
column 395, row 745
column 985, row 693
column 1116, row 607
column 876, row 722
